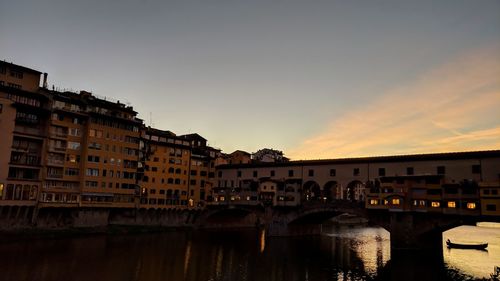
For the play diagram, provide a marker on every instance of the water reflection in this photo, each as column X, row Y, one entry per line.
column 341, row 253
column 476, row 263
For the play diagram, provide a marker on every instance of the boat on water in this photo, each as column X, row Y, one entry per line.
column 477, row 246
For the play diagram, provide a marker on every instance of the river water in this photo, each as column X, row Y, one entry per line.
column 340, row 253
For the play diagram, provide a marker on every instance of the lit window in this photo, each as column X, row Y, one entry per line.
column 386, row 202
column 452, row 204
column 421, row 203
column 395, row 201
column 471, row 206
column 435, row 204
column 373, row 202
column 1, row 190
column 222, row 198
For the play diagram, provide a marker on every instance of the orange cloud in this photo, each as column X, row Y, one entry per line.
column 452, row 108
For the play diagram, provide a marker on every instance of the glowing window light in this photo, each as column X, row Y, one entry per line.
column 373, row 202
column 471, row 206
column 435, row 204
column 395, row 201
column 452, row 204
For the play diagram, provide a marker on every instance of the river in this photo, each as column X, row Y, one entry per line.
column 340, row 253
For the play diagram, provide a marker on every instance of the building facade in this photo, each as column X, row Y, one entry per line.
column 469, row 180
column 24, row 113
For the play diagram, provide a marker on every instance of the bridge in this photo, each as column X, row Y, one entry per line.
column 409, row 229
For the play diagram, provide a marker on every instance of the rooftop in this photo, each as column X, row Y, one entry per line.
column 19, row 67
column 374, row 159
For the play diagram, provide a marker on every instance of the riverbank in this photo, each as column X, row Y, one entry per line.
column 14, row 235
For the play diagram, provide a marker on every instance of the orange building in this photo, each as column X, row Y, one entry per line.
column 23, row 114
column 165, row 180
column 92, row 153
column 202, row 170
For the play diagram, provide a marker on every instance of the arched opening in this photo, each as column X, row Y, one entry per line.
column 310, row 191
column 355, row 191
column 330, row 191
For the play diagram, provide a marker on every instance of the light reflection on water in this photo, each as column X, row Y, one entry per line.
column 340, row 253
column 475, row 263
column 370, row 244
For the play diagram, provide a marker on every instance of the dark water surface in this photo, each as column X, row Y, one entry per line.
column 345, row 253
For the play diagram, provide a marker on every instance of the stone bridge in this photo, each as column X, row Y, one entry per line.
column 409, row 230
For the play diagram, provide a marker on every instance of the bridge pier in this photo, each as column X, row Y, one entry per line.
column 411, row 231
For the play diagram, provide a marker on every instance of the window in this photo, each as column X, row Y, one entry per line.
column 1, row 107
column 489, row 207
column 476, row 169
column 395, row 201
column 272, row 173
column 71, row 172
column 435, row 204
column 92, row 172
column 255, row 174
column 90, row 183
column 471, row 205
column 73, row 158
column 373, row 202
column 94, row 159
column 192, row 182
column 452, row 204
column 333, row 172
column 381, row 172
column 409, row 171
column 73, row 145
column 74, row 132
column 239, row 174
column 311, row 173
column 355, row 172
column 290, row 173
column 441, row 170
column 16, row 74
column 220, row 174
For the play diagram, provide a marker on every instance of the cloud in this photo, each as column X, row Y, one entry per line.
column 455, row 107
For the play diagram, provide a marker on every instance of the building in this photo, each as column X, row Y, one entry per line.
column 440, row 178
column 239, row 157
column 92, row 152
column 24, row 111
column 166, row 161
column 203, row 161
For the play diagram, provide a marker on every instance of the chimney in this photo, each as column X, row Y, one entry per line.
column 44, row 85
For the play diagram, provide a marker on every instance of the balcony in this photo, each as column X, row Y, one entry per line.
column 29, row 131
column 54, row 176
column 25, row 161
column 58, row 134
column 55, row 162
column 58, row 149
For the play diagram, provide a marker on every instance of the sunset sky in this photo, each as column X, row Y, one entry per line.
column 316, row 79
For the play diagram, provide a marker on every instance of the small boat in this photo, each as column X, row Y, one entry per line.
column 477, row 246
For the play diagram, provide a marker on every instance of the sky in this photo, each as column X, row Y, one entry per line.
column 315, row 79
